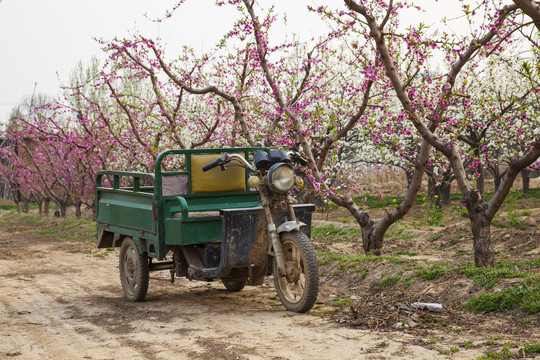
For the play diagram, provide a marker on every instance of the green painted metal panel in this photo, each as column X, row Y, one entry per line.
column 141, row 211
column 127, row 210
column 196, row 231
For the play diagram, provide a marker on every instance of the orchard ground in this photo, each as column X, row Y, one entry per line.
column 60, row 295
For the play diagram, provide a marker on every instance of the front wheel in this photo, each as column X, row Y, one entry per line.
column 133, row 271
column 297, row 289
column 234, row 285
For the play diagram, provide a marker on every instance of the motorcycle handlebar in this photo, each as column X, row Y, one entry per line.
column 213, row 164
column 226, row 158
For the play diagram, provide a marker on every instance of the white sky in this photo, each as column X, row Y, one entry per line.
column 42, row 41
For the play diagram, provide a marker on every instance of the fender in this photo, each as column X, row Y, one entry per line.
column 290, row 226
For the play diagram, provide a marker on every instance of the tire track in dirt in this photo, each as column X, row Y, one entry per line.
column 55, row 303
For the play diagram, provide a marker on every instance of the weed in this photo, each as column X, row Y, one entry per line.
column 500, row 224
column 390, row 280
column 353, row 261
column 408, row 281
column 434, row 215
column 377, row 202
column 530, row 248
column 525, row 295
column 451, row 351
column 407, row 253
column 383, row 344
column 530, row 349
column 77, row 230
column 395, row 231
column 337, row 302
column 436, row 271
column 494, row 337
column 463, row 252
column 462, row 210
column 503, row 354
column 406, row 236
column 398, row 260
column 330, row 231
column 434, row 237
column 8, row 207
column 488, row 277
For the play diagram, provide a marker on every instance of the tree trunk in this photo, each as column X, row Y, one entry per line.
column 78, row 212
column 40, row 204
column 371, row 242
column 525, row 177
column 434, row 193
column 26, row 206
column 481, row 229
column 409, row 176
column 481, row 181
column 445, row 193
column 46, row 205
column 63, row 209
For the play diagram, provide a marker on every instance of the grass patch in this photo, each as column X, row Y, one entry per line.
column 530, row 248
column 530, row 349
column 390, row 280
column 337, row 302
column 330, row 231
column 451, row 351
column 505, row 353
column 8, row 207
column 500, row 224
column 434, row 272
column 375, row 202
column 57, row 229
column 488, row 277
column 434, row 237
column 525, row 296
column 407, row 253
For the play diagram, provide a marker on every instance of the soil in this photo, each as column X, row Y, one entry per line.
column 63, row 300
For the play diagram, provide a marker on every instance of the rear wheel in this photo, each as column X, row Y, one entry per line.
column 297, row 289
column 133, row 271
column 234, row 285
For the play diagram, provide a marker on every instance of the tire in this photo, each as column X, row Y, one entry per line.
column 297, row 291
column 134, row 272
column 234, row 285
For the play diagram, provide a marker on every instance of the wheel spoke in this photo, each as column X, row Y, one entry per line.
column 298, row 289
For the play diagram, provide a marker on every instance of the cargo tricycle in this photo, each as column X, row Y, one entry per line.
column 210, row 214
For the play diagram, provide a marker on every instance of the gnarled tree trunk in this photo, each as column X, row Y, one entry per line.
column 78, row 212
column 481, row 229
column 526, row 180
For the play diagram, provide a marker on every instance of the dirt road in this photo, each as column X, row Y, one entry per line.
column 58, row 301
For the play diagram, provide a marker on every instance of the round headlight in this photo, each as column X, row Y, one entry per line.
column 281, row 177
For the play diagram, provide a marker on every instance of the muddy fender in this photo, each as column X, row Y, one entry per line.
column 290, row 226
